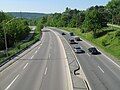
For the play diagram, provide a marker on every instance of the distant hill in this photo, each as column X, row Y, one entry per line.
column 27, row 14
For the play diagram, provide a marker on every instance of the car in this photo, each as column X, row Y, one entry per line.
column 77, row 38
column 71, row 34
column 78, row 49
column 63, row 33
column 72, row 41
column 93, row 51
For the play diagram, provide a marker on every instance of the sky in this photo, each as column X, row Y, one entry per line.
column 47, row 6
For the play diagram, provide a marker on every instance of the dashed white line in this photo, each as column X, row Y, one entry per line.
column 100, row 69
column 25, row 66
column 36, row 52
column 39, row 48
column 49, row 55
column 11, row 82
column 88, row 54
column 45, row 71
column 32, row 57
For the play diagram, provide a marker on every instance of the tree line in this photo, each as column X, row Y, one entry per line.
column 15, row 29
column 90, row 20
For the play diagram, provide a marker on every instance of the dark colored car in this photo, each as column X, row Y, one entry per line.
column 63, row 33
column 94, row 51
column 77, row 39
column 72, row 41
column 78, row 50
column 71, row 34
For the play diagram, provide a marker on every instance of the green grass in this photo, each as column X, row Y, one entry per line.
column 108, row 42
column 20, row 46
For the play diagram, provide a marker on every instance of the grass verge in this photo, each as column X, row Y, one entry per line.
column 20, row 46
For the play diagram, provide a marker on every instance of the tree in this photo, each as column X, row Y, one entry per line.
column 113, row 8
column 16, row 30
column 93, row 21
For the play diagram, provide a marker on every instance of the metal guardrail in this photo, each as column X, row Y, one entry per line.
column 16, row 54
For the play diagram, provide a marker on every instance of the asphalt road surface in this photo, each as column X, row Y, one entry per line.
column 43, row 68
column 102, row 73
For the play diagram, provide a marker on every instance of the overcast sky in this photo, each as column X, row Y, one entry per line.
column 47, row 6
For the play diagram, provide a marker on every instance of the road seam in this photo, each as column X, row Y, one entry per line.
column 12, row 82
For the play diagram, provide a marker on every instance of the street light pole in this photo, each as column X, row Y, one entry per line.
column 5, row 38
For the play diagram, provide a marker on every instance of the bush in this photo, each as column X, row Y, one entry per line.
column 117, row 33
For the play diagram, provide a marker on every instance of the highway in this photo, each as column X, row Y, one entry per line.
column 43, row 68
column 102, row 73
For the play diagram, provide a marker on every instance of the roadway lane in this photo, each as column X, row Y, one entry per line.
column 44, row 68
column 21, row 67
column 101, row 72
column 55, row 75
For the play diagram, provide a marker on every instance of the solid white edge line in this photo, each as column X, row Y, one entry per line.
column 25, row 66
column 111, row 60
column 11, row 82
column 45, row 71
column 101, row 69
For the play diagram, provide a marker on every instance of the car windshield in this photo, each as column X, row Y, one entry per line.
column 77, row 47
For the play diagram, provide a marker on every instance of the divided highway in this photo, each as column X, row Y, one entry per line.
column 102, row 73
column 43, row 68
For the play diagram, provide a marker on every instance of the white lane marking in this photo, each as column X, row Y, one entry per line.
column 111, row 60
column 36, row 52
column 100, row 69
column 104, row 55
column 32, row 57
column 45, row 71
column 39, row 48
column 88, row 54
column 87, row 43
column 25, row 66
column 11, row 82
column 49, row 55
